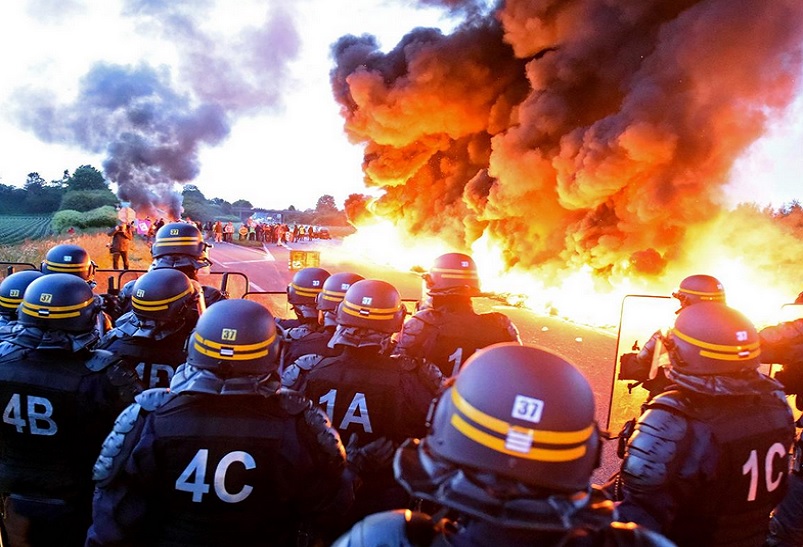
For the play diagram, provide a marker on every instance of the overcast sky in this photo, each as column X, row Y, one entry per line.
column 250, row 78
column 284, row 143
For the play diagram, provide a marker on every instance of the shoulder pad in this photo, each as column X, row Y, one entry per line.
column 111, row 453
column 151, row 399
column 293, row 402
column 101, row 359
column 299, row 367
column 674, row 400
column 390, row 528
column 297, row 333
column 654, row 447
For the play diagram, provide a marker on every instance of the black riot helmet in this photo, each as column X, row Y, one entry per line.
column 453, row 274
column 303, row 291
column 234, row 338
column 70, row 259
column 334, row 290
column 530, row 440
column 371, row 311
column 179, row 245
column 59, row 301
column 166, row 295
column 12, row 289
column 711, row 338
column 699, row 288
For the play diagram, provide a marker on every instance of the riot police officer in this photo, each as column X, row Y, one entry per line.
column 709, row 456
column 180, row 246
column 369, row 395
column 75, row 260
column 511, row 464
column 224, row 457
column 57, row 409
column 152, row 337
column 303, row 353
column 11, row 290
column 70, row 259
column 783, row 344
column 302, row 295
column 448, row 330
column 692, row 290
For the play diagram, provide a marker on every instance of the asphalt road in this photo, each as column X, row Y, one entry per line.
column 592, row 350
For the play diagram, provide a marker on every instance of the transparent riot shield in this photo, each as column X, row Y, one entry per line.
column 274, row 301
column 640, row 317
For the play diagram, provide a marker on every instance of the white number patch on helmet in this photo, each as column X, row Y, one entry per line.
column 741, row 335
column 229, row 335
column 527, row 408
column 366, row 300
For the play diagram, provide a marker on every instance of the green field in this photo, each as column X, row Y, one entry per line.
column 15, row 229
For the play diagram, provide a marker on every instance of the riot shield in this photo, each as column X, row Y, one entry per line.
column 274, row 301
column 640, row 317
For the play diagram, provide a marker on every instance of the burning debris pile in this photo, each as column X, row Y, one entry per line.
column 573, row 136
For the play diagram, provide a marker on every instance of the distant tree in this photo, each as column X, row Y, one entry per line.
column 326, row 205
column 291, row 208
column 87, row 177
column 191, row 191
column 12, row 199
column 86, row 200
column 224, row 205
column 39, row 196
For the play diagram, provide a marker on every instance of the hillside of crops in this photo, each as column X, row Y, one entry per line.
column 15, row 229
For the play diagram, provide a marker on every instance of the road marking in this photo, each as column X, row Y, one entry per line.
column 256, row 287
column 271, row 259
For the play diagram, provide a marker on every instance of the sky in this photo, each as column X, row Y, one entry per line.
column 284, row 143
column 252, row 86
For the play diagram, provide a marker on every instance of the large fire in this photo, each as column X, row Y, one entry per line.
column 580, row 150
column 759, row 288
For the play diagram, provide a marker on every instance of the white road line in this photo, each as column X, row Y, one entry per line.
column 256, row 287
column 271, row 259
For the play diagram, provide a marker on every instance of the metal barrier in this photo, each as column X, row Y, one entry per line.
column 9, row 268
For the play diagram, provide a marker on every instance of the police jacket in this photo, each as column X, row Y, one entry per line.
column 153, row 350
column 366, row 392
column 216, row 461
column 407, row 528
column 709, row 459
column 57, row 409
column 450, row 331
column 306, row 339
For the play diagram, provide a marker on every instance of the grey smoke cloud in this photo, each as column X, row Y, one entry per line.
column 152, row 122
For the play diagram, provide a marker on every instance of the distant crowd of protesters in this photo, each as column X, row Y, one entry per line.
column 251, row 230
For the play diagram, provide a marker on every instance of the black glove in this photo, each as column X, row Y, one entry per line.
column 371, row 457
column 630, row 368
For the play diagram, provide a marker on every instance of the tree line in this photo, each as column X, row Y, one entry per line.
column 86, row 189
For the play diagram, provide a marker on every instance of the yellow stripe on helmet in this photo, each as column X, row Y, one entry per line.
column 502, row 427
column 717, row 295
column 723, row 352
column 156, row 305
column 498, row 444
column 305, row 291
column 59, row 309
column 378, row 314
column 60, row 267
column 10, row 302
column 232, row 352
